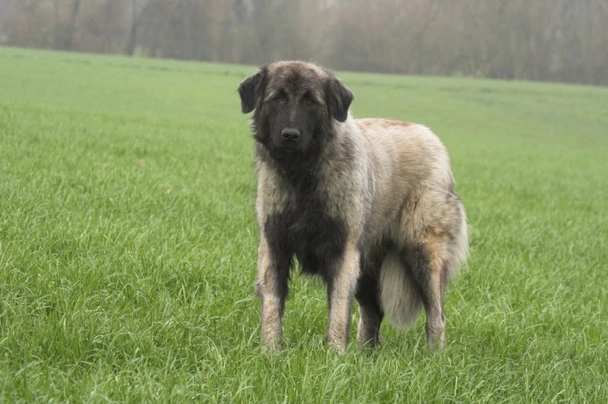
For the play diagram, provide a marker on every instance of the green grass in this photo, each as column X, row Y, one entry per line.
column 128, row 242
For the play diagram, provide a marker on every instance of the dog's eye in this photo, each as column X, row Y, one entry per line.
column 309, row 102
column 281, row 99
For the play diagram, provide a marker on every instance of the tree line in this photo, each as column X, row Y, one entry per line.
column 555, row 40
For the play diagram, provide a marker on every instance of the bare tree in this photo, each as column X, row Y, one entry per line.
column 65, row 13
column 130, row 49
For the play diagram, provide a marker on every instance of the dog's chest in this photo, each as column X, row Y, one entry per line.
column 316, row 238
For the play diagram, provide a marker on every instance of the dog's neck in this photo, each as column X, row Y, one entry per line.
column 299, row 170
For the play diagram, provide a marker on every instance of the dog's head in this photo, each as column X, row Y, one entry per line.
column 295, row 104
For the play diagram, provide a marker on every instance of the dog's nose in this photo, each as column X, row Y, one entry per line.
column 290, row 134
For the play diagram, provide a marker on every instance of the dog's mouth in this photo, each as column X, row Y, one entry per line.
column 290, row 147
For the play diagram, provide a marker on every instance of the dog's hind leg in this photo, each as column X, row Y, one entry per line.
column 370, row 310
column 427, row 265
column 341, row 288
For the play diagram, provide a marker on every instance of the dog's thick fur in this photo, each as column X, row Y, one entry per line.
column 367, row 204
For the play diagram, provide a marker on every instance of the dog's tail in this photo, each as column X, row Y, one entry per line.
column 399, row 296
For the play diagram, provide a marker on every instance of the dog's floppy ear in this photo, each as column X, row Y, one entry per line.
column 338, row 99
column 251, row 89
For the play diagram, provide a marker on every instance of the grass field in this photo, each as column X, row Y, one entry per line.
column 128, row 242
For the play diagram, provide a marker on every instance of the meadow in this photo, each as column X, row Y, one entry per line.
column 128, row 242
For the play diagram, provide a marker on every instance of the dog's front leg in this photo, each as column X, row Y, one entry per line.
column 273, row 274
column 341, row 290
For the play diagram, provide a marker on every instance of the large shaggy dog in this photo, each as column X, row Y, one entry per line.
column 367, row 204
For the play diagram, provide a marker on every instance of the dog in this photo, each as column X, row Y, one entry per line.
column 367, row 204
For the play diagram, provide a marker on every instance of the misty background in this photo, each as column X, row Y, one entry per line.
column 553, row 40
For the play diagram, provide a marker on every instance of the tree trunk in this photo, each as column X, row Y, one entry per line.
column 133, row 31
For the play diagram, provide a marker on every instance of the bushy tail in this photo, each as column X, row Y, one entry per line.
column 400, row 299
